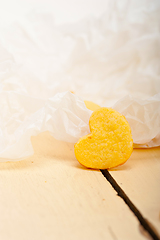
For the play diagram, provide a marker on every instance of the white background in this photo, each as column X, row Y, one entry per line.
column 64, row 11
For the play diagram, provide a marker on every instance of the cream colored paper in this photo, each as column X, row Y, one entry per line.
column 113, row 61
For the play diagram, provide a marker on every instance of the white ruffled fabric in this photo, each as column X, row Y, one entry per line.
column 113, row 61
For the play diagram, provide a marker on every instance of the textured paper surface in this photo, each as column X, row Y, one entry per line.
column 113, row 61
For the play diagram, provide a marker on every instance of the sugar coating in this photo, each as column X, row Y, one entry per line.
column 110, row 142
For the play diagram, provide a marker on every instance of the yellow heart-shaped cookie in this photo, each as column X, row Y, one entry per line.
column 91, row 105
column 110, row 142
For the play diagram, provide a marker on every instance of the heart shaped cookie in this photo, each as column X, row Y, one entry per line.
column 110, row 142
column 91, row 105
